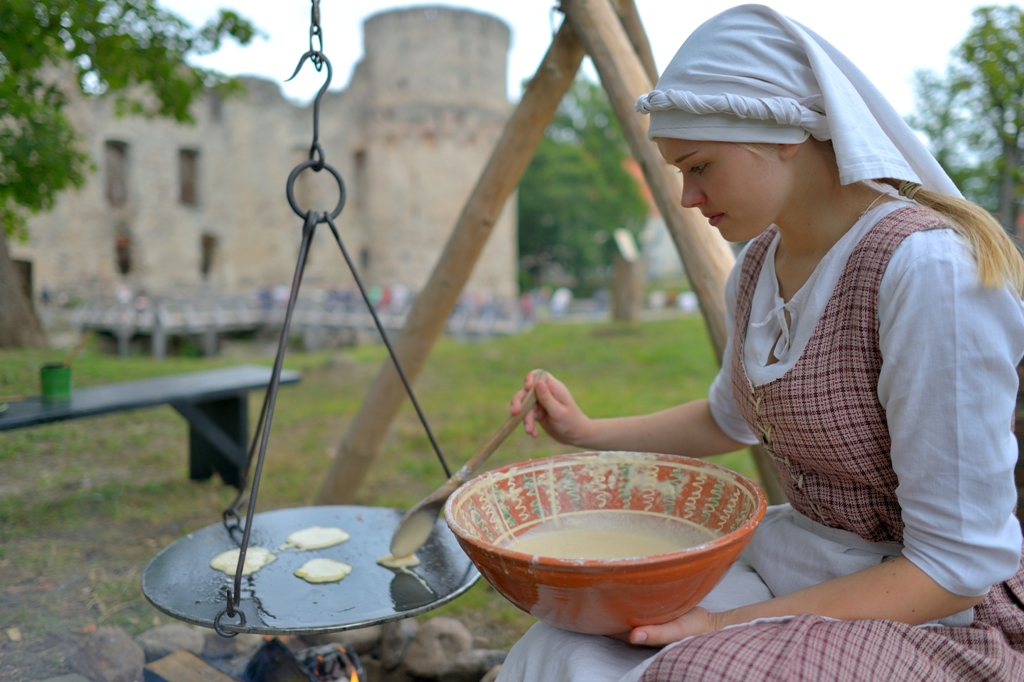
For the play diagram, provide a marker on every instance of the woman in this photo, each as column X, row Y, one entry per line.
column 875, row 325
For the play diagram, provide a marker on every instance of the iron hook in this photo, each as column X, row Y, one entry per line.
column 316, row 57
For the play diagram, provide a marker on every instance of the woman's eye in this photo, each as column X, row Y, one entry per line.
column 698, row 170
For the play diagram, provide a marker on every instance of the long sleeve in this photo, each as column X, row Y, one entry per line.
column 948, row 385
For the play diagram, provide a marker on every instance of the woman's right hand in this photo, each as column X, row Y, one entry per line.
column 555, row 410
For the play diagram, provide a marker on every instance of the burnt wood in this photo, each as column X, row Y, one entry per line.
column 182, row 666
column 215, row 403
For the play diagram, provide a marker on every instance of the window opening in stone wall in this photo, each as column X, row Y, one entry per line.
column 24, row 270
column 116, row 156
column 208, row 246
column 359, row 184
column 188, row 165
column 123, row 253
column 216, row 106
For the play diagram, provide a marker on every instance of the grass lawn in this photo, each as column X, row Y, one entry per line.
column 85, row 504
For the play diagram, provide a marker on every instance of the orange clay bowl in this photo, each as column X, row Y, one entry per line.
column 716, row 506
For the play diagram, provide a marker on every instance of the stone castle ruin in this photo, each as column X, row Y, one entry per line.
column 200, row 211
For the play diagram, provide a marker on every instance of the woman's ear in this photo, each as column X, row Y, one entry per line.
column 788, row 151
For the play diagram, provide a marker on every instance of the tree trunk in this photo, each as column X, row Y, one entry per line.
column 19, row 327
column 1008, row 187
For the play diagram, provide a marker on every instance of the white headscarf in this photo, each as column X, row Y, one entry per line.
column 753, row 75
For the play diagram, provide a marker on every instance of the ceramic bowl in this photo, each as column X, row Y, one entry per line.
column 605, row 596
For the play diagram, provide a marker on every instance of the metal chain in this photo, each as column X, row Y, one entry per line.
column 316, row 33
column 317, row 162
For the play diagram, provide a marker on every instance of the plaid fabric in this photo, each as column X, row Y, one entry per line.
column 821, row 422
column 813, row 649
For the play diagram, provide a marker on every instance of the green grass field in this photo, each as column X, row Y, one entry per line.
column 85, row 504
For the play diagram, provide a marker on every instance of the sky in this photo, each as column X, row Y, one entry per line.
column 888, row 40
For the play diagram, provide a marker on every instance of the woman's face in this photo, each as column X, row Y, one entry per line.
column 739, row 191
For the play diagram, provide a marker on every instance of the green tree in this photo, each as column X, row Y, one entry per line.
column 131, row 50
column 576, row 190
column 974, row 113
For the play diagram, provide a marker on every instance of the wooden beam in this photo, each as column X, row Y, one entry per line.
column 182, row 666
column 634, row 27
column 435, row 302
column 706, row 255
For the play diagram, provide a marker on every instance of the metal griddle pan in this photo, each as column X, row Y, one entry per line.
column 180, row 582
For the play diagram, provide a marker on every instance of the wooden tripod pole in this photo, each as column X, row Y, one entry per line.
column 706, row 255
column 435, row 302
column 634, row 27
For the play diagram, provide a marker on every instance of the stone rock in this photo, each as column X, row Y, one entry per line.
column 395, row 640
column 109, row 655
column 166, row 639
column 375, row 672
column 216, row 646
column 74, row 677
column 470, row 666
column 399, row 674
column 361, row 641
column 491, row 675
column 438, row 640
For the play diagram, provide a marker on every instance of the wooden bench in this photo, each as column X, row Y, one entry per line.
column 215, row 403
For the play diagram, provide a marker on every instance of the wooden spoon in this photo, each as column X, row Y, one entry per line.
column 415, row 526
column 74, row 351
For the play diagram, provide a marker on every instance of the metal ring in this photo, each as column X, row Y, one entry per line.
column 290, row 189
column 220, row 630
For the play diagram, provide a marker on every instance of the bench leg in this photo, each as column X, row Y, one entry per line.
column 210, row 343
column 218, row 437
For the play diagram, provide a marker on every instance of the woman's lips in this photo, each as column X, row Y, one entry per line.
column 714, row 218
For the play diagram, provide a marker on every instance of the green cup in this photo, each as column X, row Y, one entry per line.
column 56, row 381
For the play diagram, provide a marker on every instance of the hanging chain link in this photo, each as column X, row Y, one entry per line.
column 316, row 34
column 258, row 449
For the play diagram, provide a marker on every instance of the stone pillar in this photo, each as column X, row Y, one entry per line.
column 628, row 278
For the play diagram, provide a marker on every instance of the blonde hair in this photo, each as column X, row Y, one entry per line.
column 999, row 259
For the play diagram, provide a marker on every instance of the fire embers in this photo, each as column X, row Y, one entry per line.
column 332, row 662
column 275, row 662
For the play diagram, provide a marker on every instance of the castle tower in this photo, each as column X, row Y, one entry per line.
column 431, row 117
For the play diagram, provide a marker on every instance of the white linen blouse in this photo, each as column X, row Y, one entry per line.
column 948, row 386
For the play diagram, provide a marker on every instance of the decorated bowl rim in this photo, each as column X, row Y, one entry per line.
column 741, row 534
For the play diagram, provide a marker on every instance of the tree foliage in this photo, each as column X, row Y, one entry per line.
column 576, row 190
column 974, row 113
column 104, row 47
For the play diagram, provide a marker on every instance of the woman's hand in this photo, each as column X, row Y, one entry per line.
column 892, row 590
column 555, row 410
column 696, row 621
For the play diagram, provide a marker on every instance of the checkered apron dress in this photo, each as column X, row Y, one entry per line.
column 824, row 428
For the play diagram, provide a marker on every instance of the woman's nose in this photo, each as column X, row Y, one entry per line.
column 692, row 195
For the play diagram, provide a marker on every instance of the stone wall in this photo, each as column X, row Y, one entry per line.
column 410, row 134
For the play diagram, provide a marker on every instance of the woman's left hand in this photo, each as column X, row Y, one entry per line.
column 696, row 621
column 892, row 590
